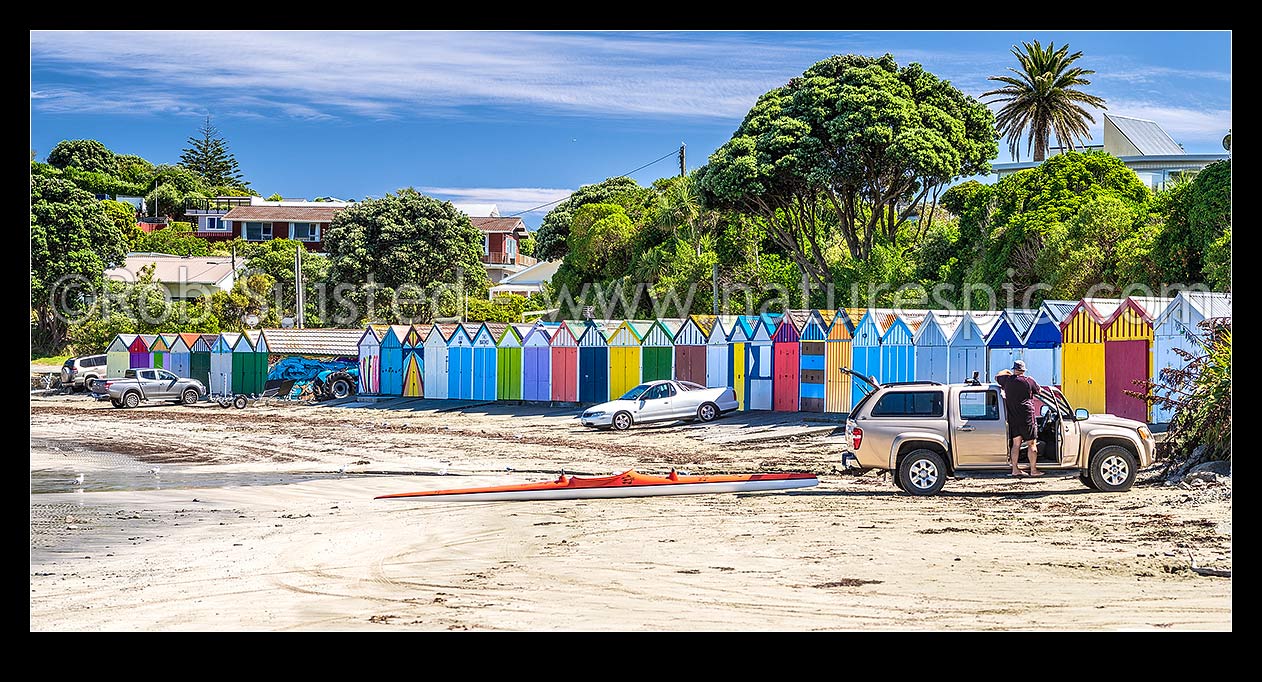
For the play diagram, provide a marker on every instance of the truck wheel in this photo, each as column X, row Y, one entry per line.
column 189, row 396
column 240, row 402
column 1113, row 469
column 708, row 412
column 898, row 480
column 1086, row 480
column 621, row 421
column 340, row 388
column 131, row 399
column 89, row 384
column 116, row 402
column 922, row 472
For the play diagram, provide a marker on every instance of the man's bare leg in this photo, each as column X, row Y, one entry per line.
column 1014, row 455
column 1034, row 458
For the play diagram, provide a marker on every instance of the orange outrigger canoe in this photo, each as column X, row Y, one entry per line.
column 629, row 483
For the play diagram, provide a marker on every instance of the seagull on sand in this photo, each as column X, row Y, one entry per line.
column 79, row 479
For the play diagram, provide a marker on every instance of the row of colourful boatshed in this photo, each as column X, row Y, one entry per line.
column 1096, row 349
column 228, row 362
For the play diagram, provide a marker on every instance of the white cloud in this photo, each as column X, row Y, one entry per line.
column 386, row 74
column 510, row 200
column 1183, row 124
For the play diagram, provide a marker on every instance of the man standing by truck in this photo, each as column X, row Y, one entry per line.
column 1019, row 393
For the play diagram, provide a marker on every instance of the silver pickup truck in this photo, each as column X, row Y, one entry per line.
column 925, row 432
column 150, row 384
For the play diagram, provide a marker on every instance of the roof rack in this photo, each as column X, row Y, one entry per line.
column 914, row 383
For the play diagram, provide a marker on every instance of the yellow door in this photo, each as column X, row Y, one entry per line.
column 836, row 384
column 412, row 377
column 738, row 373
column 624, row 370
column 1083, row 370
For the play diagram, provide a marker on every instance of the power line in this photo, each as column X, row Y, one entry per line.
column 669, row 154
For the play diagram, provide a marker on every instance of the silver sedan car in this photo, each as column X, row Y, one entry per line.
column 661, row 401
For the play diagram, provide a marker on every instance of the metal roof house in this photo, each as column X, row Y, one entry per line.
column 1144, row 146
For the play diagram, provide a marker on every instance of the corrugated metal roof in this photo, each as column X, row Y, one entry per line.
column 672, row 324
column 1153, row 305
column 313, row 341
column 1208, row 303
column 1103, row 307
column 948, row 321
column 1148, row 137
column 798, row 318
column 1021, row 319
column 1059, row 310
column 913, row 318
column 705, row 323
column 985, row 320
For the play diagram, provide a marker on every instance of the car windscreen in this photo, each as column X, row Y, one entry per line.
column 689, row 386
column 634, row 394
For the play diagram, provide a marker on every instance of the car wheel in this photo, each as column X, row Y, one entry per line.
column 1086, row 480
column 240, row 402
column 189, row 396
column 1113, row 469
column 621, row 421
column 922, row 472
column 89, row 384
column 116, row 402
column 131, row 399
column 898, row 480
column 708, row 412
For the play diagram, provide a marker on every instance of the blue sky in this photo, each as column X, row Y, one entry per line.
column 523, row 118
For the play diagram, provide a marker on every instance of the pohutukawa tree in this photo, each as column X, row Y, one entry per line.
column 852, row 148
column 1041, row 99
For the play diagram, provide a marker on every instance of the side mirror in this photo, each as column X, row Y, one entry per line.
column 1081, row 414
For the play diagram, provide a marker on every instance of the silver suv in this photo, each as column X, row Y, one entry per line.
column 925, row 432
column 83, row 372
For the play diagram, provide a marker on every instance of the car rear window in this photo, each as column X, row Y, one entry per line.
column 69, row 363
column 689, row 386
column 909, row 404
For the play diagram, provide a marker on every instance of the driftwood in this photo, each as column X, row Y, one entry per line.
column 1216, row 572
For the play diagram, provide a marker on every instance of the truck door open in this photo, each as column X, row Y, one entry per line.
column 979, row 434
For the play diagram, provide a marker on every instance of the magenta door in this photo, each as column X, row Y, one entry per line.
column 1125, row 362
column 787, row 372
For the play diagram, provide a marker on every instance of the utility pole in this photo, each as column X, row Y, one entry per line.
column 714, row 280
column 683, row 165
column 298, row 293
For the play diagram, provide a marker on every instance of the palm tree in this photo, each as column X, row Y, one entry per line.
column 1042, row 98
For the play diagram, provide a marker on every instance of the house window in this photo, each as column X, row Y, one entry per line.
column 305, row 232
column 510, row 245
column 257, row 232
column 214, row 223
column 486, row 244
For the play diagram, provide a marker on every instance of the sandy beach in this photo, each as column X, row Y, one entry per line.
column 264, row 519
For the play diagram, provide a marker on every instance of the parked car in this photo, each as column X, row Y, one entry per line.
column 83, row 372
column 151, row 384
column 661, row 401
column 924, row 432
